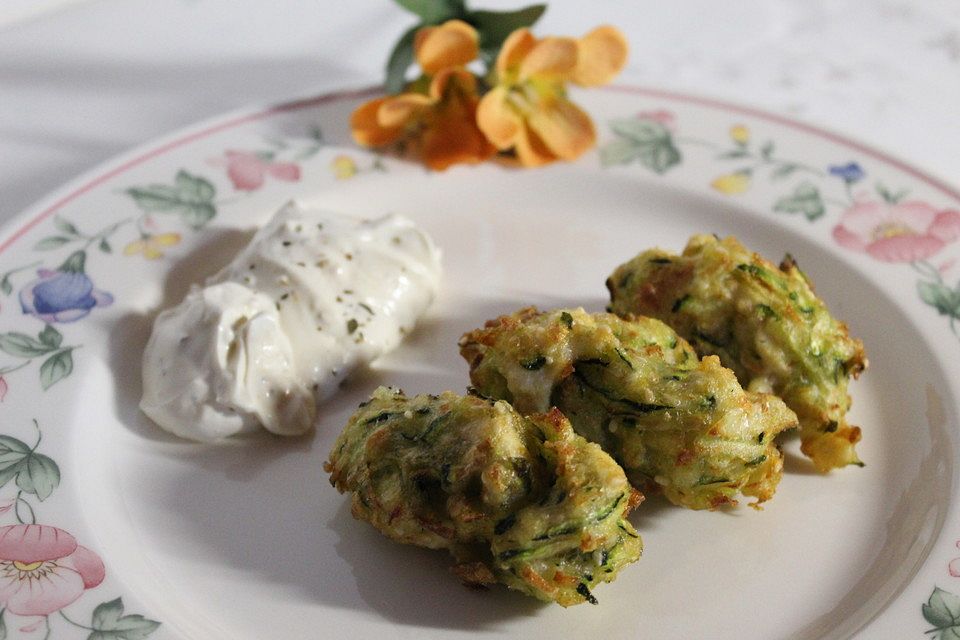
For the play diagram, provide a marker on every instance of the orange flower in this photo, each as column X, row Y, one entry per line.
column 528, row 110
column 151, row 246
column 440, row 122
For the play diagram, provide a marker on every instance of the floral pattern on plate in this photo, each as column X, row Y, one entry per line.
column 43, row 569
column 61, row 287
column 887, row 225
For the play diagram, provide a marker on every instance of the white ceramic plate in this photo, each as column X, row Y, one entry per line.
column 248, row 540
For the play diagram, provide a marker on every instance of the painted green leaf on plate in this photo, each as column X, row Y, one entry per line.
column 805, row 199
column 109, row 623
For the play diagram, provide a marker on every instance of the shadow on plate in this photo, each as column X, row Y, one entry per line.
column 263, row 504
column 129, row 334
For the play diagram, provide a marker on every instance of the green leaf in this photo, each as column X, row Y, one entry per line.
column 736, row 153
column 109, row 623
column 653, row 141
column 21, row 345
column 640, row 130
column 434, row 11
column 65, row 226
column 74, row 263
column 106, row 614
column 155, row 198
column 5, row 285
column 495, row 26
column 784, row 170
column 10, row 470
column 805, row 199
column 105, row 246
column 191, row 197
column 51, row 242
column 940, row 297
column 660, row 157
column 12, row 454
column 196, row 216
column 399, row 61
column 766, row 151
column 56, row 368
column 942, row 610
column 39, row 475
column 10, row 444
column 194, row 188
column 620, row 151
column 50, row 337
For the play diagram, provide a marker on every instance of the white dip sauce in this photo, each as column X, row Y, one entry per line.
column 314, row 295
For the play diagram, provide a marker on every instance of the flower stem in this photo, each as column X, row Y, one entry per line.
column 12, row 368
column 927, row 270
column 23, row 268
column 697, row 141
column 16, row 509
column 105, row 233
column 76, row 624
column 849, row 191
column 39, row 435
column 46, row 623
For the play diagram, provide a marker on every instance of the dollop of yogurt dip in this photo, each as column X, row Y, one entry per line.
column 313, row 296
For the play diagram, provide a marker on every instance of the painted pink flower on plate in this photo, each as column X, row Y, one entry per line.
column 43, row 569
column 248, row 171
column 666, row 118
column 897, row 232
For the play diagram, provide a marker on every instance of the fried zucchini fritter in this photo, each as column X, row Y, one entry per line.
column 640, row 391
column 522, row 501
column 763, row 322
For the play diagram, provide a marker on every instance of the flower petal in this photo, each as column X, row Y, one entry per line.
column 946, row 226
column 601, row 55
column 343, row 167
column 498, row 120
column 732, row 183
column 41, row 595
column 453, row 80
column 452, row 44
column 863, row 218
column 152, row 252
column 135, row 247
column 563, row 127
column 87, row 564
column 531, row 151
column 904, row 248
column 846, row 238
column 740, row 134
column 453, row 136
column 514, row 49
column 167, row 239
column 70, row 315
column 101, row 298
column 397, row 111
column 550, row 57
column 366, row 128
column 245, row 171
column 286, row 171
column 35, row 542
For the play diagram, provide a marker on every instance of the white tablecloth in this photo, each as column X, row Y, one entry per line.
column 83, row 81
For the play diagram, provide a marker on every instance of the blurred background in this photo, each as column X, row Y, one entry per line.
column 82, row 80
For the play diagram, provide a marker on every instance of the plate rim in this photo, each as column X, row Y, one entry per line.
column 20, row 224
